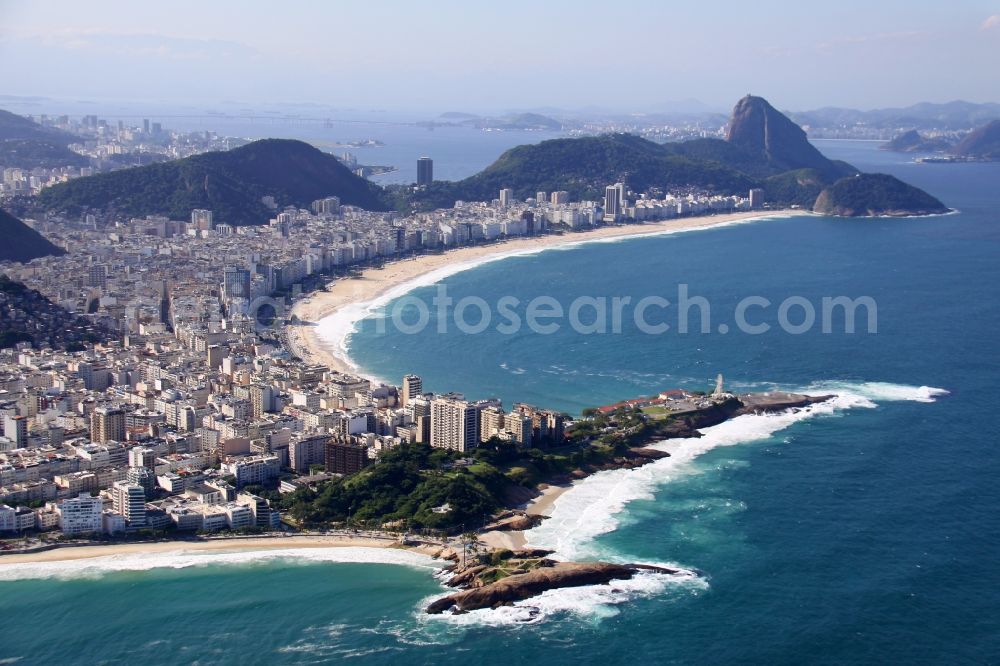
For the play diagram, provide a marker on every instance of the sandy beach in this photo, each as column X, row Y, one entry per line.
column 69, row 553
column 351, row 296
column 539, row 506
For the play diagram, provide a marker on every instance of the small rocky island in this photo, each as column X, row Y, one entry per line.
column 876, row 195
column 915, row 142
column 504, row 577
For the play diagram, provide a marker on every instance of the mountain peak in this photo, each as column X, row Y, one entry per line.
column 982, row 143
column 760, row 129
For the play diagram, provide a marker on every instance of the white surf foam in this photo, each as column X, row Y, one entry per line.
column 879, row 390
column 95, row 567
column 593, row 506
column 591, row 602
column 335, row 330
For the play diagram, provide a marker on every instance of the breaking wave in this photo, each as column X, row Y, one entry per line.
column 96, row 567
column 593, row 506
column 591, row 602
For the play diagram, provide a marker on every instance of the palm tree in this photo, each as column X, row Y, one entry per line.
column 469, row 540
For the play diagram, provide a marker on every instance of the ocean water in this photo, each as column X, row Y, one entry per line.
column 862, row 530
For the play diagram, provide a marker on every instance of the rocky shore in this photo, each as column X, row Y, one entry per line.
column 688, row 425
column 511, row 576
column 524, row 573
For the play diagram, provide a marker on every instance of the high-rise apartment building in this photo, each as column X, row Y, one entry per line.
column 81, row 515
column 261, row 400
column 236, row 282
column 201, row 219
column 107, row 424
column 454, row 424
column 412, row 387
column 345, row 457
column 129, row 500
column 614, row 202
column 491, row 423
column 425, row 171
column 142, row 476
column 15, row 429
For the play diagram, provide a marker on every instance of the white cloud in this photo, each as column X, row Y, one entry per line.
column 991, row 23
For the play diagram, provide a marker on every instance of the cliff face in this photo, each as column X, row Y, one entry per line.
column 984, row 143
column 760, row 129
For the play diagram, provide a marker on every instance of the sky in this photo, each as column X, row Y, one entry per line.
column 446, row 55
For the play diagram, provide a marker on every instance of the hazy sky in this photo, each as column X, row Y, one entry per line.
column 467, row 55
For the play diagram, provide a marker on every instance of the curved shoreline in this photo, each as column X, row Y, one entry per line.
column 328, row 318
column 68, row 552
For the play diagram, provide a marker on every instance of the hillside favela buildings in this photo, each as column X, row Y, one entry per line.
column 196, row 404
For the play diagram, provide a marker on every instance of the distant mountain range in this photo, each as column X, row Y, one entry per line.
column 516, row 121
column 983, row 143
column 26, row 144
column 763, row 149
column 231, row 184
column 22, row 243
column 957, row 115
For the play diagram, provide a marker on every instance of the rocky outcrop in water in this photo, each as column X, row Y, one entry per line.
column 524, row 584
column 876, row 194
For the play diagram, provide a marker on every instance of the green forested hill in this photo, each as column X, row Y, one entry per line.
column 21, row 242
column 231, row 184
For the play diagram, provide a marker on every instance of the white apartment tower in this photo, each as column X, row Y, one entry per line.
column 129, row 500
column 81, row 515
column 454, row 424
column 614, row 202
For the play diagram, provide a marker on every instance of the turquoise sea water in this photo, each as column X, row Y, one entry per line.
column 864, row 532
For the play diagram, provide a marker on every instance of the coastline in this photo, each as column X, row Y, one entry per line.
column 542, row 505
column 327, row 318
column 68, row 552
column 344, row 303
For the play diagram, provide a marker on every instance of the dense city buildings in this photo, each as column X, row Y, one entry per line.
column 199, row 393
